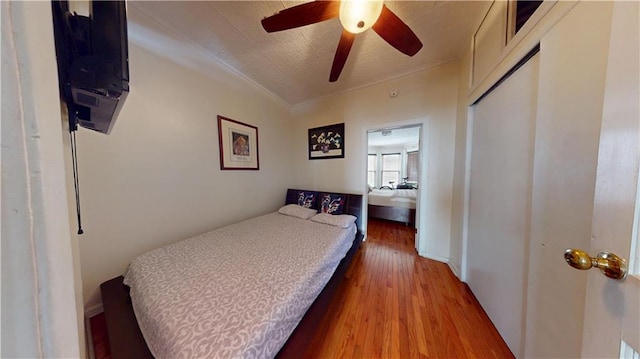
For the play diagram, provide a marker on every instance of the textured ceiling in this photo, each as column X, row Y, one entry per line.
column 294, row 64
column 407, row 136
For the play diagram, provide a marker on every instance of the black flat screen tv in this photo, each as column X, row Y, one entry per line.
column 93, row 62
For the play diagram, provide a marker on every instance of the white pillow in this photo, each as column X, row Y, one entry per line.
column 297, row 211
column 338, row 220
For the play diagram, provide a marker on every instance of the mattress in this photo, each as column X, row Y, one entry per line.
column 235, row 292
column 403, row 198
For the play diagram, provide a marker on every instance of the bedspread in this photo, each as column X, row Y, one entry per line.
column 235, row 292
column 403, row 198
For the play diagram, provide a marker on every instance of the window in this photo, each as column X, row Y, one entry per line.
column 519, row 12
column 371, row 170
column 524, row 10
column 412, row 166
column 390, row 169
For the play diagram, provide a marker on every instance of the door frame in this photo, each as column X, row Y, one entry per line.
column 615, row 211
column 420, row 239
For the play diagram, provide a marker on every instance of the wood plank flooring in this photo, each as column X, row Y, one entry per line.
column 99, row 337
column 393, row 304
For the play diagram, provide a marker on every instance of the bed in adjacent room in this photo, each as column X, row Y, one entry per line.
column 251, row 289
column 393, row 204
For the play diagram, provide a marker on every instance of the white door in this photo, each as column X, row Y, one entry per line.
column 612, row 312
column 499, row 200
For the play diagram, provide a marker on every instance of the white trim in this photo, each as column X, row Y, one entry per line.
column 434, row 257
column 529, row 25
column 467, row 191
column 93, row 310
column 634, row 251
column 421, row 235
column 519, row 46
column 423, row 186
column 454, row 269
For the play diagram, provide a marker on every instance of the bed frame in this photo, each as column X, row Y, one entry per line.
column 398, row 214
column 126, row 340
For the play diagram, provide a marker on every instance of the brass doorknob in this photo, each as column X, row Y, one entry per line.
column 610, row 264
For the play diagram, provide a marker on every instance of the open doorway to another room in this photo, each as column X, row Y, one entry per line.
column 393, row 167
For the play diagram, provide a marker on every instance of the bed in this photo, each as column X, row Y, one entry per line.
column 393, row 204
column 252, row 289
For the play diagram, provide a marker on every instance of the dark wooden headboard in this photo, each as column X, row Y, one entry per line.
column 352, row 204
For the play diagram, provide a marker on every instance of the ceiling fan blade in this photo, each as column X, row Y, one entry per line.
column 396, row 32
column 342, row 52
column 302, row 15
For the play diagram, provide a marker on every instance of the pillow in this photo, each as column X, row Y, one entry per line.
column 331, row 203
column 294, row 210
column 307, row 199
column 339, row 220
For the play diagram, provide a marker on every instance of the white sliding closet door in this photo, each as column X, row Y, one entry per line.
column 500, row 201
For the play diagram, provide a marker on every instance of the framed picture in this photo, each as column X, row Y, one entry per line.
column 238, row 145
column 326, row 142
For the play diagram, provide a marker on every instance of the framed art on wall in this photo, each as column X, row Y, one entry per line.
column 326, row 142
column 238, row 145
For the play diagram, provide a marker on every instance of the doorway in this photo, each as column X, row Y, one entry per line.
column 393, row 174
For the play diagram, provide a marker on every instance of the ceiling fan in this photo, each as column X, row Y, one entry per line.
column 355, row 16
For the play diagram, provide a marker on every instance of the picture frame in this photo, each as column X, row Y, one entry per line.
column 326, row 142
column 238, row 145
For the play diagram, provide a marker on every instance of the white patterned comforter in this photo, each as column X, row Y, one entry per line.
column 403, row 198
column 235, row 292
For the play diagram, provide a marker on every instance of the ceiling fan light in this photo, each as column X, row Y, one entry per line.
column 357, row 16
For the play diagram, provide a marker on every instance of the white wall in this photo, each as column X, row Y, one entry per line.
column 460, row 167
column 39, row 311
column 156, row 178
column 429, row 98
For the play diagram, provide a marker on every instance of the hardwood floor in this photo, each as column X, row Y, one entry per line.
column 394, row 304
column 99, row 337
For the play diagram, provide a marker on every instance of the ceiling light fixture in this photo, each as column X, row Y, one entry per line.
column 357, row 16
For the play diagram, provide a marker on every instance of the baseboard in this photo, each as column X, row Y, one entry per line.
column 93, row 310
column 434, row 257
column 455, row 270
